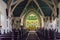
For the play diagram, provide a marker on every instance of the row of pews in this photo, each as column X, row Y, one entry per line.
column 22, row 34
column 45, row 34
column 15, row 35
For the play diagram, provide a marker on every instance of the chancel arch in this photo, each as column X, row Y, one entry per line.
column 33, row 17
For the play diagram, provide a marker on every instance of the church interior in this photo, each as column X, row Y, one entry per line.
column 29, row 19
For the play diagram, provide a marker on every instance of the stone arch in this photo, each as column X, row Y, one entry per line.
column 36, row 5
column 18, row 2
column 35, row 13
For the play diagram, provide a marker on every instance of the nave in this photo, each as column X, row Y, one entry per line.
column 42, row 16
column 40, row 34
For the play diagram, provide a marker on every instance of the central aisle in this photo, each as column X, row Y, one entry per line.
column 32, row 35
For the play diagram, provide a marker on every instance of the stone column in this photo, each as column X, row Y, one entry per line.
column 59, row 24
column 59, row 17
column 42, row 22
column 3, row 21
column 22, row 21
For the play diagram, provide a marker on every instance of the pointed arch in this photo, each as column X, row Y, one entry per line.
column 36, row 5
column 19, row 1
column 35, row 13
column 25, row 7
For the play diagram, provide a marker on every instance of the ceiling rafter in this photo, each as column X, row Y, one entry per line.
column 54, row 8
column 39, row 7
column 9, row 7
column 14, row 2
column 16, row 5
column 25, row 7
column 47, row 4
column 36, row 4
column 10, row 10
column 10, row 3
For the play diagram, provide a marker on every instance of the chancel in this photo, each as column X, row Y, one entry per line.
column 29, row 19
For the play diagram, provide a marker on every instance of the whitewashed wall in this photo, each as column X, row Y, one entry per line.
column 3, row 7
